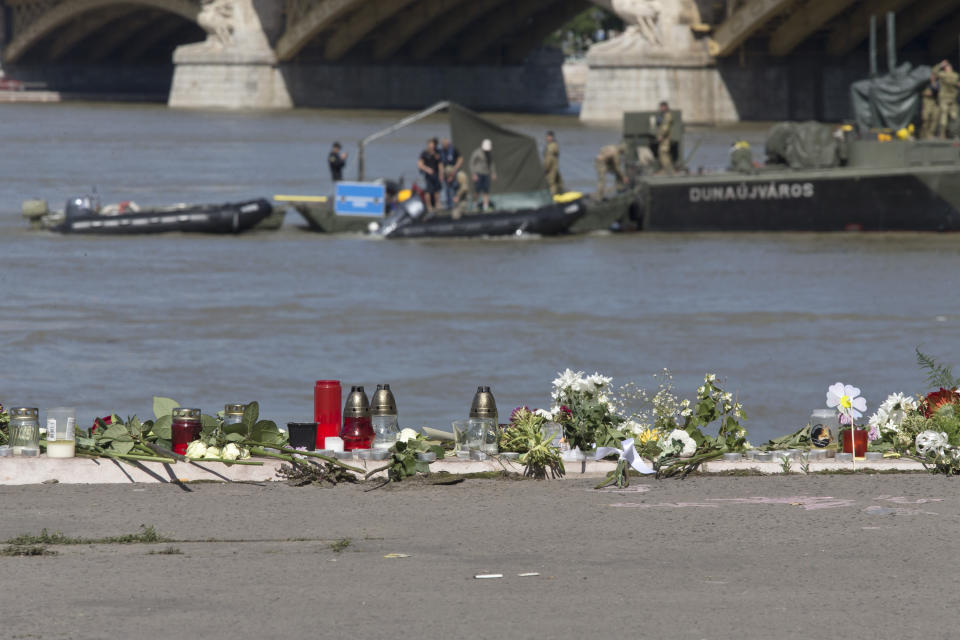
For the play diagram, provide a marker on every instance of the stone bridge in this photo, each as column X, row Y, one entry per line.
column 406, row 53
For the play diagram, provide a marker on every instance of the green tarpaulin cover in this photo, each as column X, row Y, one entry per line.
column 515, row 155
column 802, row 145
column 890, row 101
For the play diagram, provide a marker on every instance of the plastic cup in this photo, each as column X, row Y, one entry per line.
column 61, row 432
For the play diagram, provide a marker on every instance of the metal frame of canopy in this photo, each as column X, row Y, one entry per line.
column 429, row 111
column 520, row 180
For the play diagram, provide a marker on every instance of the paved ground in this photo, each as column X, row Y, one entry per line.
column 709, row 557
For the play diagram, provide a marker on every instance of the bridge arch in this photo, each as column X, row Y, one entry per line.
column 72, row 13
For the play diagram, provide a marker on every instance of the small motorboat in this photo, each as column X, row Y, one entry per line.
column 84, row 215
column 546, row 220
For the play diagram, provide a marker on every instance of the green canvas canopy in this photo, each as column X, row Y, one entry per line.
column 515, row 155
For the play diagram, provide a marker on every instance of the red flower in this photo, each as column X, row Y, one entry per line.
column 934, row 401
column 107, row 420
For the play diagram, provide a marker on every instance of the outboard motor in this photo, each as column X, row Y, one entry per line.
column 81, row 206
column 410, row 210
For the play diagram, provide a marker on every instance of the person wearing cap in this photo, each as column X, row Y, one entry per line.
column 551, row 165
column 664, row 138
column 336, row 161
column 484, row 170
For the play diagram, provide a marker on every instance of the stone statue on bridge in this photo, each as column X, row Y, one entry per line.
column 216, row 18
column 655, row 28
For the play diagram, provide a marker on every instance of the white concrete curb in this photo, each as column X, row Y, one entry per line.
column 20, row 471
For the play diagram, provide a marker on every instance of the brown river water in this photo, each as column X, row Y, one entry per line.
column 104, row 324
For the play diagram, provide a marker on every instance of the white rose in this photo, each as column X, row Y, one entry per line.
column 212, row 452
column 244, row 453
column 407, row 434
column 230, row 452
column 196, row 450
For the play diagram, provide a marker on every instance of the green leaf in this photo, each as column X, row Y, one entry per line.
column 135, row 427
column 209, row 421
column 265, row 431
column 163, row 406
column 235, row 437
column 121, row 446
column 162, row 427
column 166, row 444
column 251, row 414
column 116, row 432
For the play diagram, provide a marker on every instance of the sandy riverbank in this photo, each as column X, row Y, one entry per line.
column 708, row 557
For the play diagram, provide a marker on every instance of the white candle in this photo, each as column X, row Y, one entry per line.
column 61, row 449
column 333, row 444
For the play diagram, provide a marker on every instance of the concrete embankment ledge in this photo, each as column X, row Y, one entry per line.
column 26, row 471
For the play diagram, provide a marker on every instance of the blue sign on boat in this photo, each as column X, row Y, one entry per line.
column 359, row 199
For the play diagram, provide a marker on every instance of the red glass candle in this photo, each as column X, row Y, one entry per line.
column 185, row 428
column 327, row 397
column 858, row 441
column 357, row 433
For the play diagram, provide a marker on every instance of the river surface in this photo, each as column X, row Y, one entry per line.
column 104, row 324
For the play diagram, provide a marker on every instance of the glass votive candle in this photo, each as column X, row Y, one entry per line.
column 480, row 433
column 763, row 456
column 61, row 432
column 185, row 428
column 873, row 456
column 385, row 431
column 461, row 435
column 24, row 429
column 731, row 457
column 844, row 457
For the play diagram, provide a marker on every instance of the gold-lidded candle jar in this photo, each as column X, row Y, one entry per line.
column 233, row 414
column 383, row 415
column 24, row 429
column 185, row 428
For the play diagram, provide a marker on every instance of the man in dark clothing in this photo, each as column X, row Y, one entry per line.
column 451, row 161
column 429, row 165
column 337, row 159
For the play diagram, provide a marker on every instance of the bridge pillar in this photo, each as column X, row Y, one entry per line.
column 236, row 67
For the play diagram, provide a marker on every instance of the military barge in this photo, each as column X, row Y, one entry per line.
column 900, row 185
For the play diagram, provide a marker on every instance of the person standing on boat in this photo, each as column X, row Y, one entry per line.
column 429, row 165
column 462, row 197
column 551, row 165
column 608, row 161
column 929, row 113
column 484, row 170
column 449, row 157
column 949, row 83
column 664, row 138
column 336, row 160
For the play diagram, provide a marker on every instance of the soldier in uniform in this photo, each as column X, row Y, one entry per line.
column 949, row 83
column 929, row 114
column 551, row 165
column 608, row 161
column 462, row 196
column 664, row 135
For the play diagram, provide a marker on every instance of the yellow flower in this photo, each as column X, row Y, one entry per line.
column 647, row 435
